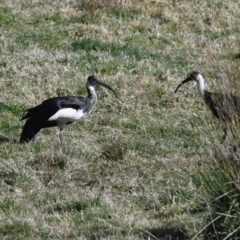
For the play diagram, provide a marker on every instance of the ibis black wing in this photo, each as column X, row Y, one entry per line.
column 230, row 106
column 223, row 106
column 72, row 102
column 211, row 103
column 37, row 117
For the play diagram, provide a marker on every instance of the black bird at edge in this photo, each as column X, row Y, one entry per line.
column 224, row 106
column 59, row 111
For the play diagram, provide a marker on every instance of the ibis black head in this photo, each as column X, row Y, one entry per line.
column 92, row 80
column 192, row 77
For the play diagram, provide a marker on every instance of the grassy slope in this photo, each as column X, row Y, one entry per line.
column 125, row 170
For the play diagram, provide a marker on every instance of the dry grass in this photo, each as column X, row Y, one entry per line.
column 139, row 166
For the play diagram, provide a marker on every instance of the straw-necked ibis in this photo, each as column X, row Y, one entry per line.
column 224, row 106
column 59, row 111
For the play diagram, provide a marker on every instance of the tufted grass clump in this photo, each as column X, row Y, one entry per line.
column 114, row 151
column 220, row 182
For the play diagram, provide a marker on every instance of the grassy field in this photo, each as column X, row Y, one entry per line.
column 146, row 165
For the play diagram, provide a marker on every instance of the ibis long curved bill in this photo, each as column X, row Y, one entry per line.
column 106, row 86
column 188, row 79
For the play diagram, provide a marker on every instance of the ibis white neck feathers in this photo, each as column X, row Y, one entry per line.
column 200, row 82
column 91, row 92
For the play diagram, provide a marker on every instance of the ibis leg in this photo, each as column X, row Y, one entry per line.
column 60, row 136
column 61, row 127
column 224, row 133
column 34, row 138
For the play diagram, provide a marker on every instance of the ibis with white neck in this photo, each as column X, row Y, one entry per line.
column 59, row 111
column 224, row 106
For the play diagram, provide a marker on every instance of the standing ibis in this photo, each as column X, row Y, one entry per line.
column 224, row 106
column 59, row 111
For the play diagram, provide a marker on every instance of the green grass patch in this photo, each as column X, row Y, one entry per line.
column 43, row 37
column 11, row 107
column 114, row 49
column 7, row 19
column 16, row 229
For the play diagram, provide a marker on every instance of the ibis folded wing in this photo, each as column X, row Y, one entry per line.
column 38, row 117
